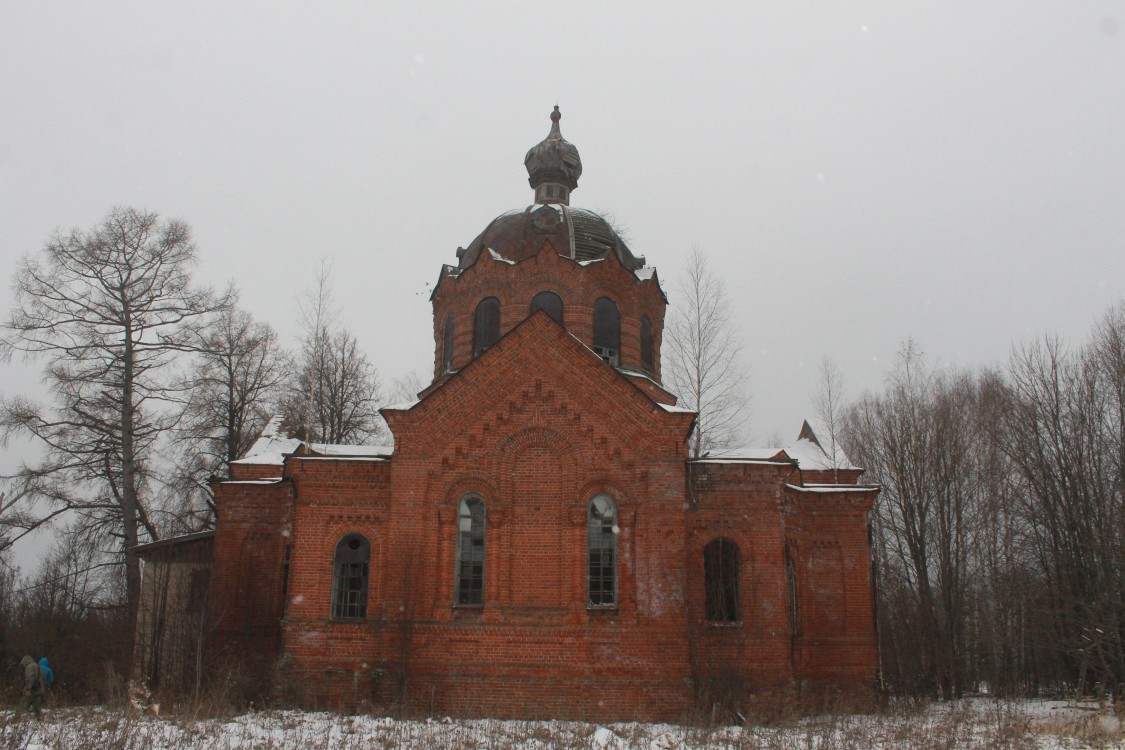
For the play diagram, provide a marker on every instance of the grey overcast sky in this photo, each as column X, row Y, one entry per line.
column 857, row 172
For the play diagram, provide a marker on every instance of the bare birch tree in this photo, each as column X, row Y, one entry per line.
column 106, row 310
column 828, row 402
column 703, row 358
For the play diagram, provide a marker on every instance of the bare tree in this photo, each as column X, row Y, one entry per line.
column 336, row 394
column 406, row 388
column 231, row 394
column 106, row 310
column 916, row 441
column 703, row 358
column 829, row 405
column 1063, row 433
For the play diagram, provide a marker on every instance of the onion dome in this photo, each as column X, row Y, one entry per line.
column 553, row 166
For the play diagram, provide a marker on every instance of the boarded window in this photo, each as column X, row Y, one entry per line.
column 720, row 579
column 349, row 578
column 601, row 543
column 470, row 552
column 607, row 330
column 447, row 336
column 550, row 303
column 647, row 358
column 486, row 325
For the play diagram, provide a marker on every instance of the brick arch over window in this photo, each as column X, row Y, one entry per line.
column 486, row 325
column 601, row 552
column 471, row 529
column 350, row 575
column 721, row 572
column 607, row 330
column 550, row 303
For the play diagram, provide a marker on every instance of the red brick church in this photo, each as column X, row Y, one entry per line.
column 534, row 539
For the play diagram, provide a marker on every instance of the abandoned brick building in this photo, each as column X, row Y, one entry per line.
column 534, row 538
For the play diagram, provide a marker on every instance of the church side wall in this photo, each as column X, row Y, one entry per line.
column 330, row 662
column 740, row 502
column 828, row 537
column 247, row 585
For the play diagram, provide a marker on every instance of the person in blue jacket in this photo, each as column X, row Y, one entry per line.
column 48, row 673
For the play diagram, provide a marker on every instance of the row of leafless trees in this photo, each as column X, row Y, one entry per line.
column 1000, row 530
column 154, row 384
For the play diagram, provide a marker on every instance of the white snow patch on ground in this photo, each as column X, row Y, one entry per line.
column 970, row 723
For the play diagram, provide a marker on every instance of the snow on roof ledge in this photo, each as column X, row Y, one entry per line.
column 745, row 453
column 357, row 451
column 274, row 446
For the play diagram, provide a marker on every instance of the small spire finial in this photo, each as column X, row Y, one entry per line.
column 556, row 115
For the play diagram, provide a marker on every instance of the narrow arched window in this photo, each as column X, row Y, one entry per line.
column 550, row 303
column 601, row 546
column 470, row 552
column 447, row 336
column 349, row 578
column 486, row 325
column 646, row 343
column 607, row 330
column 720, row 580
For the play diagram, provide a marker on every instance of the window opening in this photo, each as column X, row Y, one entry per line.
column 720, row 575
column 602, row 552
column 470, row 552
column 447, row 344
column 350, row 573
column 647, row 358
column 486, row 325
column 550, row 303
column 607, row 330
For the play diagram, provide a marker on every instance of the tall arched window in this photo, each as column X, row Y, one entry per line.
column 470, row 552
column 486, row 325
column 601, row 547
column 447, row 337
column 549, row 302
column 647, row 358
column 607, row 330
column 349, row 578
column 720, row 579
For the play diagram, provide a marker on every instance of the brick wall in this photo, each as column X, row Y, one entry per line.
column 537, row 426
column 578, row 285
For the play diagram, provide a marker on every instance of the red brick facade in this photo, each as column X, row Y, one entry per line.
column 536, row 427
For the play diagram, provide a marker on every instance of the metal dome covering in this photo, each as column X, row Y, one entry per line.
column 574, row 233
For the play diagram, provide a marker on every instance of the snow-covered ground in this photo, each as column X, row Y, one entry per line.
column 971, row 723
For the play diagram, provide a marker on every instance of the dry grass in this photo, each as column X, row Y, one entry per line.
column 981, row 724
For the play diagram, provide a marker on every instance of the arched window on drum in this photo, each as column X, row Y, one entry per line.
column 607, row 330
column 486, row 325
column 550, row 303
